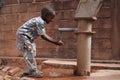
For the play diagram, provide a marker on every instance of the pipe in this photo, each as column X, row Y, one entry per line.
column 84, row 34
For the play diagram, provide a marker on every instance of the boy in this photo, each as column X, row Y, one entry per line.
column 26, row 35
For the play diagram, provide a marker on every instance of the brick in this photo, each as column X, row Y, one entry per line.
column 2, row 37
column 40, row 42
column 7, row 77
column 19, row 8
column 58, row 16
column 68, row 35
column 67, row 23
column 104, row 12
column 67, row 4
column 58, row 5
column 10, row 36
column 9, row 52
column 67, row 14
column 40, row 5
column 9, row 27
column 102, row 33
column 9, row 43
column 5, row 69
column 35, row 14
column 101, row 43
column 13, row 71
column 101, row 46
column 8, row 48
column 1, row 78
column 106, row 3
column 6, row 9
column 1, row 62
column 52, row 34
column 36, row 7
column 52, row 26
column 6, row 28
column 23, row 17
column 44, row 52
column 42, row 0
column 102, row 54
column 1, row 19
column 67, row 53
column 70, row 4
column 1, row 52
column 16, row 26
column 26, row 1
column 1, row 45
column 26, row 78
column 69, row 43
column 32, row 7
column 11, row 19
column 102, row 23
column 1, row 48
column 6, row 2
column 107, row 23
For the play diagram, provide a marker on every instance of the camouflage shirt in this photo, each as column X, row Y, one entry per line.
column 32, row 28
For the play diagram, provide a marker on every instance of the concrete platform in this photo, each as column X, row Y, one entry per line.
column 72, row 64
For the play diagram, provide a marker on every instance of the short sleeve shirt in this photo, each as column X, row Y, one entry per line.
column 33, row 28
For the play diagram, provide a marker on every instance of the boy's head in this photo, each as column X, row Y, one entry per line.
column 47, row 14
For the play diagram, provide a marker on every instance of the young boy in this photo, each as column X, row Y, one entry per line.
column 26, row 35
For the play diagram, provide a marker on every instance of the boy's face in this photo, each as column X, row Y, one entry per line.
column 49, row 17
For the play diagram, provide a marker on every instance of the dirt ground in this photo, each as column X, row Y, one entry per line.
column 59, row 74
column 67, row 74
column 12, row 69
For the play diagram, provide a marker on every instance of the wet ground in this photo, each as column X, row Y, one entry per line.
column 67, row 74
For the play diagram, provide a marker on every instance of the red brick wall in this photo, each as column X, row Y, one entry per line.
column 15, row 12
column 102, row 46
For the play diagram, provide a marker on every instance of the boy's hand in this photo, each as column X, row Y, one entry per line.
column 59, row 43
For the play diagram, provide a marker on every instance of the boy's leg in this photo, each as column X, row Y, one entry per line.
column 29, row 52
column 29, row 55
column 30, row 61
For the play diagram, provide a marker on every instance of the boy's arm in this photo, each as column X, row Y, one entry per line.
column 48, row 38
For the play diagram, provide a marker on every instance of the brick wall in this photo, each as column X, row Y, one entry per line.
column 102, row 44
column 15, row 12
column 12, row 15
